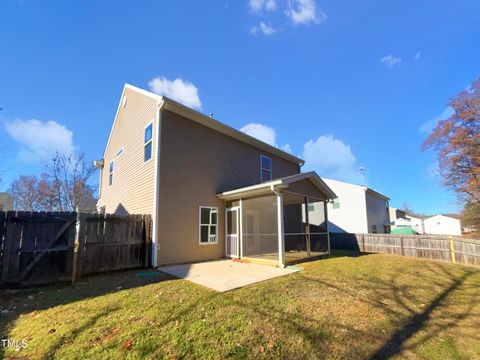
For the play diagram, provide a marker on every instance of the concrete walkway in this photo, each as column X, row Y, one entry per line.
column 224, row 275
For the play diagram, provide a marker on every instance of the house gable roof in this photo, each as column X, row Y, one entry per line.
column 166, row 103
column 282, row 184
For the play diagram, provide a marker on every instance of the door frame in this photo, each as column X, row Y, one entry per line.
column 237, row 210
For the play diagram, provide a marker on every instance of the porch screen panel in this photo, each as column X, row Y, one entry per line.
column 260, row 228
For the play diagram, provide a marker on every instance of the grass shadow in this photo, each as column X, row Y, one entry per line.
column 14, row 303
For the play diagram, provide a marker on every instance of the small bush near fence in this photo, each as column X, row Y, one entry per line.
column 435, row 247
column 42, row 248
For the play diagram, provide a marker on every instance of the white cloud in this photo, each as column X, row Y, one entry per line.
column 260, row 132
column 331, row 158
column 179, row 90
column 391, row 60
column 287, row 148
column 263, row 28
column 40, row 140
column 429, row 125
column 304, row 12
column 259, row 5
column 417, row 55
column 266, row 134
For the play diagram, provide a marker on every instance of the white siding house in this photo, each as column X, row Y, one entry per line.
column 416, row 223
column 442, row 225
column 357, row 209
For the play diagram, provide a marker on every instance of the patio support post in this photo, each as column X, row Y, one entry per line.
column 307, row 228
column 281, row 243
column 325, row 212
column 240, row 224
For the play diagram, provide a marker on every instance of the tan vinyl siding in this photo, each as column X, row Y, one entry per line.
column 305, row 187
column 196, row 163
column 132, row 190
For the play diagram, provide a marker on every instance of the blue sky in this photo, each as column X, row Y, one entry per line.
column 340, row 84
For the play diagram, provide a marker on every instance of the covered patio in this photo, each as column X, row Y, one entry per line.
column 280, row 222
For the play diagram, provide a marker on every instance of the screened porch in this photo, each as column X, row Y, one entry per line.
column 281, row 222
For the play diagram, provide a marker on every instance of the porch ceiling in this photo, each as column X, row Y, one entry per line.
column 284, row 185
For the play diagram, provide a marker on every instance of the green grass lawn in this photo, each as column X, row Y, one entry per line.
column 346, row 306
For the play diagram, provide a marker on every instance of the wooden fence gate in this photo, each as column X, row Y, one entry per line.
column 43, row 248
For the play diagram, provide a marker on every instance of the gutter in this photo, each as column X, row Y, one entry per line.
column 156, row 193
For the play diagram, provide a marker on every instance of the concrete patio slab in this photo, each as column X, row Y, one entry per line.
column 224, row 275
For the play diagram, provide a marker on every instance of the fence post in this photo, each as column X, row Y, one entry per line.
column 147, row 221
column 78, row 249
column 452, row 249
column 7, row 247
column 401, row 246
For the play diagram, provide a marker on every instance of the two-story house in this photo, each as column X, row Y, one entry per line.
column 357, row 209
column 213, row 191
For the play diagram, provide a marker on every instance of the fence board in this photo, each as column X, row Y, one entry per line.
column 433, row 247
column 40, row 248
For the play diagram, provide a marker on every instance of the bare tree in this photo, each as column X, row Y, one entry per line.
column 407, row 208
column 24, row 191
column 68, row 181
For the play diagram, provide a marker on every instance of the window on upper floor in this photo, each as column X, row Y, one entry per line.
column 374, row 229
column 311, row 207
column 110, row 173
column 147, row 152
column 265, row 168
column 336, row 203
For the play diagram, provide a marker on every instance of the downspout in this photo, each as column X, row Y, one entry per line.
column 156, row 195
column 280, row 230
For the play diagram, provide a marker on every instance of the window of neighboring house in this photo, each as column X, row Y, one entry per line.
column 265, row 168
column 336, row 203
column 147, row 153
column 208, row 225
column 374, row 229
column 110, row 174
column 311, row 207
column 386, row 229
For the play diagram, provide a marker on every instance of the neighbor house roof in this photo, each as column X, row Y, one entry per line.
column 279, row 184
column 174, row 106
column 365, row 188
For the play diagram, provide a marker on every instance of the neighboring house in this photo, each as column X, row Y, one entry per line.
column 357, row 209
column 6, row 202
column 397, row 218
column 416, row 222
column 213, row 191
column 400, row 218
column 447, row 224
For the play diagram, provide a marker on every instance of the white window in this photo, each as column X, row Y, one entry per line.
column 147, row 149
column 265, row 168
column 110, row 174
column 336, row 203
column 208, row 225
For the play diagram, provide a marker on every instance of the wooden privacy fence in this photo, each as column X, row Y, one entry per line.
column 42, row 248
column 435, row 247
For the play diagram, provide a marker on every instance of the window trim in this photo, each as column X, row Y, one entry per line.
column 262, row 168
column 209, row 225
column 147, row 142
column 111, row 170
